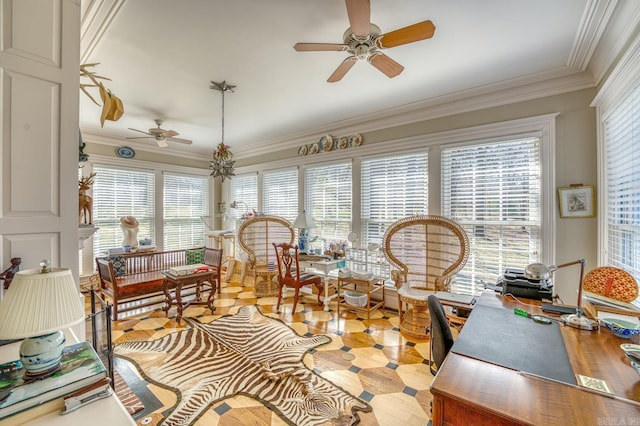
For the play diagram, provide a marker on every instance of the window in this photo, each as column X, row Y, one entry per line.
column 121, row 192
column 621, row 129
column 244, row 190
column 328, row 199
column 494, row 191
column 280, row 193
column 186, row 200
column 392, row 188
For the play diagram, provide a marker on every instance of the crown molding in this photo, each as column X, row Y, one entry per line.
column 97, row 16
column 593, row 24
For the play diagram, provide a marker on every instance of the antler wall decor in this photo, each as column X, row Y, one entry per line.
column 112, row 108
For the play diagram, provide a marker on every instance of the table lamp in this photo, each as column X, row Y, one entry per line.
column 304, row 222
column 540, row 271
column 39, row 303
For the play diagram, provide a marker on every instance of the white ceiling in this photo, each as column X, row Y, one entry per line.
column 162, row 54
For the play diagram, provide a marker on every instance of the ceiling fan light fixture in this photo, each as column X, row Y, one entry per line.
column 222, row 162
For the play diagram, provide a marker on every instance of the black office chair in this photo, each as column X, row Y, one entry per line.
column 441, row 339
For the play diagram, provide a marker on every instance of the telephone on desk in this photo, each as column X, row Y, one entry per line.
column 515, row 282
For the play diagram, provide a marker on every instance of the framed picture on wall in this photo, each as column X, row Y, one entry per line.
column 577, row 201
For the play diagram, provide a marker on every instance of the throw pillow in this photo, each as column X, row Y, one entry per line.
column 119, row 265
column 194, row 256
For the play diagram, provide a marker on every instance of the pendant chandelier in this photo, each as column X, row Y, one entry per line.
column 222, row 163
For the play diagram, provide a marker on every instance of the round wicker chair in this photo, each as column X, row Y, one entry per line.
column 256, row 236
column 424, row 252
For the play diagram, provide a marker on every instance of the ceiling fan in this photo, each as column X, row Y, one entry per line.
column 160, row 135
column 364, row 40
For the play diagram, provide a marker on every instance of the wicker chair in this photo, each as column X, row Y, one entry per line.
column 255, row 237
column 424, row 252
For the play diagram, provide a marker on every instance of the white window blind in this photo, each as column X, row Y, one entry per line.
column 186, row 200
column 621, row 137
column 494, row 191
column 328, row 199
column 121, row 192
column 243, row 189
column 392, row 188
column 280, row 193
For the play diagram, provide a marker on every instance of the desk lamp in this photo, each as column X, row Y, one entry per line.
column 540, row 271
column 304, row 222
column 39, row 303
column 234, row 205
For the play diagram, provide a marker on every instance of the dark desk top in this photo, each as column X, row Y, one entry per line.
column 516, row 398
column 498, row 336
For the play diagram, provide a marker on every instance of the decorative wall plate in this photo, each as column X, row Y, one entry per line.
column 326, row 142
column 343, row 143
column 303, row 150
column 355, row 140
column 315, row 148
column 125, row 152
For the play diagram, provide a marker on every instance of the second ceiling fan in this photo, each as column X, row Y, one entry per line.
column 364, row 40
column 161, row 136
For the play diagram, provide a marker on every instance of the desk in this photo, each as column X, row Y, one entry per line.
column 322, row 268
column 469, row 391
column 184, row 280
column 111, row 411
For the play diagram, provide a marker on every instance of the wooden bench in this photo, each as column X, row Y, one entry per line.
column 140, row 275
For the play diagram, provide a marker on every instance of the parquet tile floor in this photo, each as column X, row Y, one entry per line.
column 367, row 357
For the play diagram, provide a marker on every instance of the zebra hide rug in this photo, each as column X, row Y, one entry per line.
column 246, row 353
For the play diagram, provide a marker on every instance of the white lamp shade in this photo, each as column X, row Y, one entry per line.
column 39, row 303
column 304, row 221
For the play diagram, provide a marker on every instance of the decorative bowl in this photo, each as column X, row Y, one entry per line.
column 621, row 328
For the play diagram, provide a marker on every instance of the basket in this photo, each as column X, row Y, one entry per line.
column 353, row 298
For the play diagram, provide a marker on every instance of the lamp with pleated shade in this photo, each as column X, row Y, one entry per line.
column 37, row 306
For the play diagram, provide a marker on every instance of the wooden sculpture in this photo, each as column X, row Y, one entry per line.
column 85, row 202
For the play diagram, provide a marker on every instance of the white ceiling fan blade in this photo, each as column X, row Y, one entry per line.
column 184, row 141
column 141, row 131
column 162, row 143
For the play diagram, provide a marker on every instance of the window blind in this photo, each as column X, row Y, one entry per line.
column 328, row 199
column 243, row 189
column 392, row 188
column 121, row 192
column 280, row 193
column 186, row 200
column 493, row 190
column 621, row 136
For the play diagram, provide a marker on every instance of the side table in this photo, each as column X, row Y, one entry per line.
column 361, row 286
column 181, row 281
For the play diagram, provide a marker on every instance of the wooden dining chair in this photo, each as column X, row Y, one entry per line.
column 289, row 273
column 213, row 259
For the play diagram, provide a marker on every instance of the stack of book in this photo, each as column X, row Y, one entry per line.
column 81, row 377
column 178, row 271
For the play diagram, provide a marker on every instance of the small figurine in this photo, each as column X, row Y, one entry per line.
column 8, row 273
